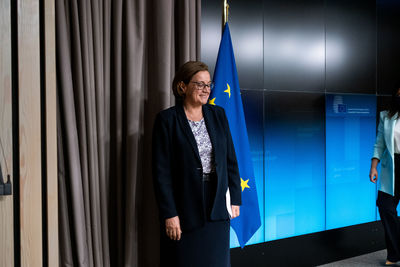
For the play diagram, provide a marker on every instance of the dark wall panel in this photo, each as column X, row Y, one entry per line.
column 210, row 31
column 383, row 103
column 246, row 26
column 294, row 45
column 350, row 46
column 313, row 249
column 388, row 13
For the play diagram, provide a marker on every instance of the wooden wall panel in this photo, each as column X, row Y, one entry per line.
column 29, row 133
column 6, row 202
column 51, row 133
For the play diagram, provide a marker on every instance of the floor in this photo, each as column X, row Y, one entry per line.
column 368, row 260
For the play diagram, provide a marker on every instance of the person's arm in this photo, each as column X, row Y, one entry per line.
column 161, row 160
column 233, row 172
column 373, row 173
column 379, row 148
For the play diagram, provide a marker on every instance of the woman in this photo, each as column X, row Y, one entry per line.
column 387, row 151
column 194, row 164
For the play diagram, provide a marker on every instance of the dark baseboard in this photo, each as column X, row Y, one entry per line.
column 313, row 249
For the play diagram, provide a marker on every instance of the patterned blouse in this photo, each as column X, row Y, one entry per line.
column 204, row 144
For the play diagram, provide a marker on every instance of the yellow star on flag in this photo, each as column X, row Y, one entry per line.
column 244, row 184
column 211, row 101
column 228, row 90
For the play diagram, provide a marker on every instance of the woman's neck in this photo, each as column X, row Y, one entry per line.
column 193, row 113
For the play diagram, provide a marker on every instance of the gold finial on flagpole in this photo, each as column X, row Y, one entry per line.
column 225, row 12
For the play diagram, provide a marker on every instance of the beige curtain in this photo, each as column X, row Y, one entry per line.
column 115, row 64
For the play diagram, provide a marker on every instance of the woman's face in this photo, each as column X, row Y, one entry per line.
column 196, row 93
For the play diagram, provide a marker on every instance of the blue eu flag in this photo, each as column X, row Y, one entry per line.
column 227, row 95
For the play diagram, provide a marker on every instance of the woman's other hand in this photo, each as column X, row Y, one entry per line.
column 235, row 211
column 173, row 228
column 373, row 173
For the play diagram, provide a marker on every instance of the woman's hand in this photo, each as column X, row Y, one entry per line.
column 173, row 228
column 235, row 211
column 373, row 175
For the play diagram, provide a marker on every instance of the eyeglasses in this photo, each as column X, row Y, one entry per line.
column 202, row 86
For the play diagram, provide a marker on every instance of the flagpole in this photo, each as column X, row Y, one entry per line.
column 225, row 13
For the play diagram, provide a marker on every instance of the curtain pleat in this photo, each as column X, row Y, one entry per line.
column 115, row 64
column 71, row 210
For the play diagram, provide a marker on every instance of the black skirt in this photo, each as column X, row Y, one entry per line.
column 205, row 246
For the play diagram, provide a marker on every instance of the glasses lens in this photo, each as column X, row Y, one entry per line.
column 202, row 86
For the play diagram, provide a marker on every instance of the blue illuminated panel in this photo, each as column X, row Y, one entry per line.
column 311, row 156
column 350, row 135
column 294, row 164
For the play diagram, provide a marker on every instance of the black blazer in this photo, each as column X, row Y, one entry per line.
column 177, row 169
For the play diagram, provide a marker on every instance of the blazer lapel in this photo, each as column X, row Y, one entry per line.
column 187, row 130
column 389, row 138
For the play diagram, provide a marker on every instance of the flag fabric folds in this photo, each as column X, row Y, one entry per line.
column 227, row 95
